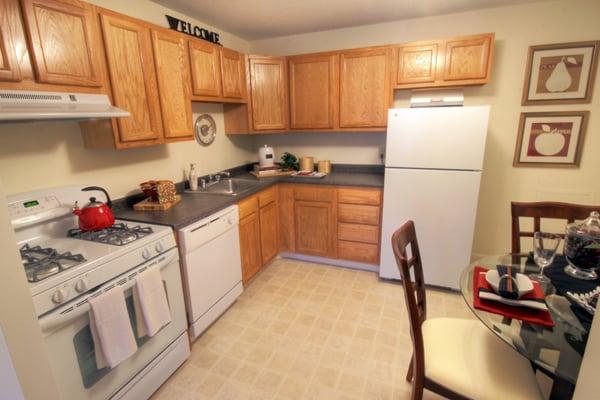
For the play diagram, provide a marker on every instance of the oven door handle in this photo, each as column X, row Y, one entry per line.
column 63, row 315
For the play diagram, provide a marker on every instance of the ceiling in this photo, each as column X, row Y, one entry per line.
column 260, row 19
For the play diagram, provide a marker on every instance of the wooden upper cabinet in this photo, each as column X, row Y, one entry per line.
column 205, row 61
column 269, row 99
column 172, row 70
column 9, row 66
column 65, row 42
column 417, row 63
column 129, row 54
column 452, row 62
column 233, row 74
column 365, row 90
column 468, row 58
column 314, row 91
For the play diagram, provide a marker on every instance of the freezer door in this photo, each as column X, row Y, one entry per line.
column 443, row 205
column 438, row 137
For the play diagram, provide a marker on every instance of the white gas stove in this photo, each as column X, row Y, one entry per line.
column 65, row 267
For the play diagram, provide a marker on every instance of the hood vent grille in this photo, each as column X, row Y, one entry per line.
column 16, row 105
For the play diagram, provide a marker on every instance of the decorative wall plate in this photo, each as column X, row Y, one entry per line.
column 205, row 129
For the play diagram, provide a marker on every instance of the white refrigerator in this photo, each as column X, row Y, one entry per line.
column 433, row 163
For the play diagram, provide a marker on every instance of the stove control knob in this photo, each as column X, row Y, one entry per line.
column 159, row 247
column 81, row 285
column 60, row 296
column 146, row 254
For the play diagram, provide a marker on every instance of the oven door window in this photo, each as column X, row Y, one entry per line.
column 84, row 347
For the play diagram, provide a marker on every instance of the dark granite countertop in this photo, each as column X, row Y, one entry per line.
column 195, row 206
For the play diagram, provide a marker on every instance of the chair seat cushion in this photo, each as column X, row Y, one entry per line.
column 466, row 357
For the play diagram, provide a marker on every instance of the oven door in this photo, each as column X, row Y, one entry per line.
column 71, row 349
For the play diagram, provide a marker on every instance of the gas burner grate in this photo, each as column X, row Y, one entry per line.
column 43, row 262
column 117, row 235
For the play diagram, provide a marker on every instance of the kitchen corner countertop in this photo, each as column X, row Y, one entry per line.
column 195, row 206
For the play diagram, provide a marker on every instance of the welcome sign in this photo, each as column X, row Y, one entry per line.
column 185, row 27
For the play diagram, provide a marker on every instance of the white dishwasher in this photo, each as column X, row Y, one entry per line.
column 212, row 269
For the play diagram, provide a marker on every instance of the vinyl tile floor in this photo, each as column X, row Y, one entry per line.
column 308, row 331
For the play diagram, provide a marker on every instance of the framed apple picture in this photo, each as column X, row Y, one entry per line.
column 550, row 139
column 560, row 73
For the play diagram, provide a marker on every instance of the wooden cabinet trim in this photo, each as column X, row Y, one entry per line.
column 83, row 69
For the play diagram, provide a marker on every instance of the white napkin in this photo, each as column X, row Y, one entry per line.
column 150, row 303
column 111, row 329
column 537, row 305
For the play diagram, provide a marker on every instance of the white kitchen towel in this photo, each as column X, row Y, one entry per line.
column 111, row 329
column 150, row 303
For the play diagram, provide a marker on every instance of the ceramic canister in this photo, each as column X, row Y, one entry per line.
column 307, row 164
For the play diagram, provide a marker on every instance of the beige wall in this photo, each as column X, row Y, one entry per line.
column 516, row 28
column 45, row 154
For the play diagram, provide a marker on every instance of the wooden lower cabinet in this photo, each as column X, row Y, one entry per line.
column 250, row 246
column 259, row 241
column 269, row 242
column 315, row 228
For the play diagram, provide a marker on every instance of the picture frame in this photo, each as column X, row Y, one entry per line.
column 537, row 145
column 561, row 73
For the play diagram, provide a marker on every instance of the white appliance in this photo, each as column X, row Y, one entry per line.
column 20, row 105
column 212, row 267
column 434, row 158
column 66, row 267
column 266, row 156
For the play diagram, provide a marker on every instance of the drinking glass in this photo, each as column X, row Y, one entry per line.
column 544, row 250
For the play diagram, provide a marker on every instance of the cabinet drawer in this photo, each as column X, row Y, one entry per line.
column 361, row 252
column 312, row 193
column 358, row 214
column 266, row 196
column 359, row 196
column 358, row 233
column 248, row 206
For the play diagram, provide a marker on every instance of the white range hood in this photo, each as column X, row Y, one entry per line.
column 19, row 105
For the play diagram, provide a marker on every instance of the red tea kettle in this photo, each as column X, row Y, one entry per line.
column 95, row 215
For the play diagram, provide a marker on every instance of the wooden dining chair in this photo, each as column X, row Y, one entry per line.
column 546, row 210
column 455, row 358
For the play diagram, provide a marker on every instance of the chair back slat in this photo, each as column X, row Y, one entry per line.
column 414, row 288
column 546, row 210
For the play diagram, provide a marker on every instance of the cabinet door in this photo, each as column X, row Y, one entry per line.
column 286, row 218
column 468, row 58
column 268, row 93
column 133, row 78
column 315, row 228
column 172, row 71
column 205, row 61
column 9, row 66
column 65, row 42
column 365, row 91
column 268, row 232
column 417, row 63
column 250, row 246
column 314, row 91
column 233, row 74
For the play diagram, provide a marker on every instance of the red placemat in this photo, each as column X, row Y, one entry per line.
column 524, row 314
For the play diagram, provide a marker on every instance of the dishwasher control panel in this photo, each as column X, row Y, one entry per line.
column 203, row 231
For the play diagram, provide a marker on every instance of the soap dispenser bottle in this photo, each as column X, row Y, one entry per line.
column 193, row 177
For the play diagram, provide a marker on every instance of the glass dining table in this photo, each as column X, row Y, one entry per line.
column 557, row 351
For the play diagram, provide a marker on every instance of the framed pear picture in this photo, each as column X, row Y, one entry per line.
column 550, row 139
column 560, row 73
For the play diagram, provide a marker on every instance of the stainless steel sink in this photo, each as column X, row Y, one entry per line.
column 229, row 186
